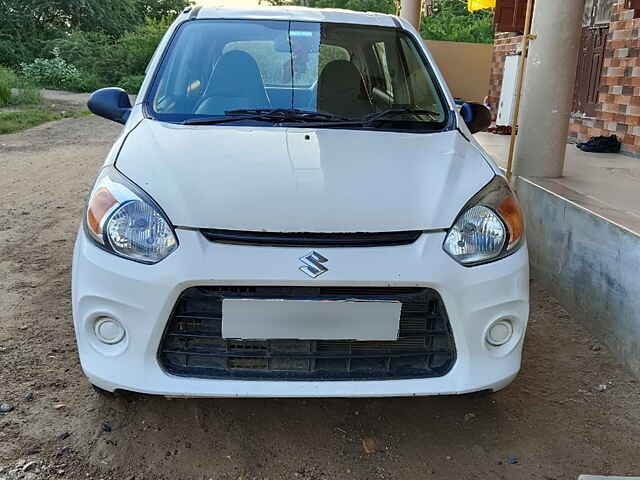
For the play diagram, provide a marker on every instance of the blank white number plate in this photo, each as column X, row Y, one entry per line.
column 261, row 319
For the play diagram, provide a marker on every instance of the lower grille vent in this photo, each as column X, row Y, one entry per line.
column 193, row 345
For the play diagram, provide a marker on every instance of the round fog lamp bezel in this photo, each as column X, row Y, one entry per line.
column 109, row 341
column 507, row 338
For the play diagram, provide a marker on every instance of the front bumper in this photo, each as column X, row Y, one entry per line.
column 142, row 297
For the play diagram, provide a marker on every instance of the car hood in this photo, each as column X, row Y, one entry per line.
column 301, row 179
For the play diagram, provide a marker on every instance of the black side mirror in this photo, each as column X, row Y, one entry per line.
column 111, row 103
column 476, row 116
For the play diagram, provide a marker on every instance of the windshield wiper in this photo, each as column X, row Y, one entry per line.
column 394, row 112
column 274, row 115
column 288, row 115
column 373, row 119
column 313, row 119
column 220, row 119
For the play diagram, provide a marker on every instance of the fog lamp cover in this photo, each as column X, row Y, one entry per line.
column 499, row 333
column 109, row 330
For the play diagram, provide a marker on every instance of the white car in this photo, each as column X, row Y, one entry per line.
column 296, row 208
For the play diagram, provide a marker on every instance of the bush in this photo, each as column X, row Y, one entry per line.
column 8, row 77
column 90, row 52
column 132, row 52
column 12, row 52
column 7, row 82
column 451, row 21
column 24, row 94
column 52, row 72
column 131, row 83
column 5, row 93
column 85, row 82
column 111, row 61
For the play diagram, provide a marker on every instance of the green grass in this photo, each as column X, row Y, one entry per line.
column 25, row 95
column 16, row 90
column 15, row 121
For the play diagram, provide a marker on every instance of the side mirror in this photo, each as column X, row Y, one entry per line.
column 476, row 116
column 111, row 103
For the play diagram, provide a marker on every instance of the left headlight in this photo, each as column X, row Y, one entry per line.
column 124, row 220
column 490, row 226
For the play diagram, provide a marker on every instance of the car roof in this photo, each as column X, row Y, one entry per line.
column 301, row 14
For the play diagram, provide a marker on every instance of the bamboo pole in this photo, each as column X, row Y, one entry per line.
column 526, row 38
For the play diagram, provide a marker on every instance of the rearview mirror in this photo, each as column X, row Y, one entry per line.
column 110, row 103
column 476, row 116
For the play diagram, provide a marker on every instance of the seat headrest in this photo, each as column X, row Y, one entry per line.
column 237, row 74
column 342, row 77
column 341, row 90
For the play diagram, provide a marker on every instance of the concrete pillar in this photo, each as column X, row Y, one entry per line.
column 548, row 88
column 410, row 11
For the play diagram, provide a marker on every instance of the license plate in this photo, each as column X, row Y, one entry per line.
column 262, row 319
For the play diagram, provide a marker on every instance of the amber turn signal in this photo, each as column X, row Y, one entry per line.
column 511, row 214
column 99, row 204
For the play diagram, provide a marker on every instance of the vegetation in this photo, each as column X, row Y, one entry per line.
column 382, row 6
column 21, row 104
column 82, row 45
column 450, row 20
column 15, row 90
column 453, row 22
column 13, row 121
column 51, row 72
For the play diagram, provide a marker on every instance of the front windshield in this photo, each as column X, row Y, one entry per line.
column 217, row 68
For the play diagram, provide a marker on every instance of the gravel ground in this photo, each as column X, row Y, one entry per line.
column 572, row 410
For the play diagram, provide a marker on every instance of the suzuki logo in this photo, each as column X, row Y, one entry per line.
column 313, row 264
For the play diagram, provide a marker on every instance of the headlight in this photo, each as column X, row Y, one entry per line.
column 489, row 227
column 124, row 220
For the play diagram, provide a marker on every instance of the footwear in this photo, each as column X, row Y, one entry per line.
column 601, row 144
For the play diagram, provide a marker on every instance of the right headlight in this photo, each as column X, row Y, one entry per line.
column 489, row 227
column 122, row 219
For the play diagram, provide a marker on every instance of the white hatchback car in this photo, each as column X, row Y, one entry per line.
column 295, row 207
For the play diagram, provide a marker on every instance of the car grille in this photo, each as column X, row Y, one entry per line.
column 193, row 346
column 306, row 239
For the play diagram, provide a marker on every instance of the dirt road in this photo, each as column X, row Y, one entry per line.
column 572, row 410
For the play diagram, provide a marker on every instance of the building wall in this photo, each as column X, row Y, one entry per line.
column 588, row 263
column 504, row 44
column 618, row 108
column 465, row 66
